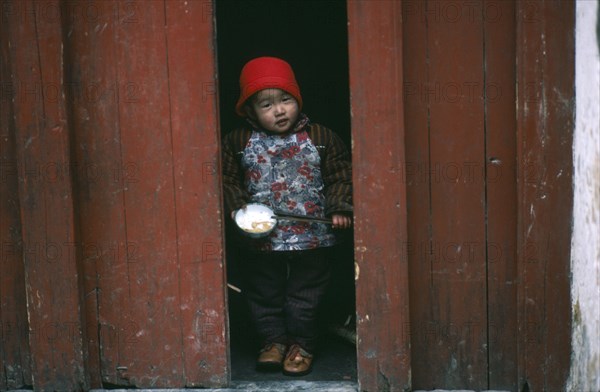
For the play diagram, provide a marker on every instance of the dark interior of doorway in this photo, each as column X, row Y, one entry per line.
column 312, row 37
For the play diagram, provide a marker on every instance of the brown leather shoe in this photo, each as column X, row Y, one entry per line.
column 271, row 357
column 297, row 362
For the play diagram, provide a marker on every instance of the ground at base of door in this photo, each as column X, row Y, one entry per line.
column 275, row 386
column 283, row 386
column 264, row 386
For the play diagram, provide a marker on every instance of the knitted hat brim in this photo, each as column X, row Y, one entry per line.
column 264, row 83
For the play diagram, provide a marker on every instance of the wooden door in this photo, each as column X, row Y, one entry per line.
column 461, row 183
column 380, row 231
column 454, row 154
column 147, row 144
column 110, row 213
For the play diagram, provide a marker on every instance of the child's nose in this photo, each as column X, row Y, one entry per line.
column 279, row 108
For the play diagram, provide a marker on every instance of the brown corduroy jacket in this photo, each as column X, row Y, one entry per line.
column 335, row 169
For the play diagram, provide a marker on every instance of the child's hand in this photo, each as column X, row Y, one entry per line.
column 341, row 221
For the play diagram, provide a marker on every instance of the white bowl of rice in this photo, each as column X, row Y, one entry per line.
column 255, row 220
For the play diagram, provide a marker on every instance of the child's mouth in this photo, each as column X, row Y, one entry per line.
column 282, row 122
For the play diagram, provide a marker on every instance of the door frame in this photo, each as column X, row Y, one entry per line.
column 380, row 227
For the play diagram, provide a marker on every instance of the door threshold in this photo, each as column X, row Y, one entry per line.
column 263, row 386
column 294, row 385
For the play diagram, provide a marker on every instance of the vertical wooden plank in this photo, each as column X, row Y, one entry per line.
column 195, row 138
column 501, row 193
column 375, row 53
column 128, row 214
column 15, row 371
column 545, row 80
column 149, row 197
column 456, row 131
column 101, row 178
column 47, row 216
column 447, row 209
column 417, row 167
column 530, row 298
column 559, row 91
column 151, row 282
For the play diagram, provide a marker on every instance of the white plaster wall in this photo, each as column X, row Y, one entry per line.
column 585, row 251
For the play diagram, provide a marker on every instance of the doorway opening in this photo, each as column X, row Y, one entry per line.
column 312, row 37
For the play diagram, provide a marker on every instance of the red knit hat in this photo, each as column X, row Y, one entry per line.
column 266, row 72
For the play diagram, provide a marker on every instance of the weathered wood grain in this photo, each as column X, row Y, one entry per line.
column 501, row 192
column 150, row 211
column 196, row 152
column 545, row 122
column 445, row 120
column 46, row 198
column 375, row 49
column 15, row 371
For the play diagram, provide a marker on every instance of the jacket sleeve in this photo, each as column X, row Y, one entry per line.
column 234, row 192
column 336, row 169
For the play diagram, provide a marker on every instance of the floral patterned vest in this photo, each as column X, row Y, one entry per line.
column 283, row 172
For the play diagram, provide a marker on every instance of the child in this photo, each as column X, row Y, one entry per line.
column 292, row 165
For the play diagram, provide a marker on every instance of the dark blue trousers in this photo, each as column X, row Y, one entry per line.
column 284, row 291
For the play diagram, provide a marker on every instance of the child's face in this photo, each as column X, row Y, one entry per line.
column 274, row 110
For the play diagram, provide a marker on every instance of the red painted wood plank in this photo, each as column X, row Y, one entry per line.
column 15, row 371
column 530, row 299
column 101, row 176
column 545, row 76
column 132, row 109
column 456, row 144
column 418, row 192
column 47, row 216
column 195, row 138
column 447, row 227
column 375, row 50
column 152, row 282
column 560, row 108
column 501, row 183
